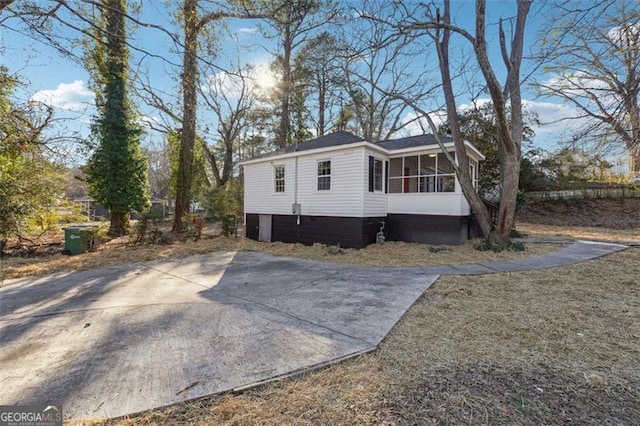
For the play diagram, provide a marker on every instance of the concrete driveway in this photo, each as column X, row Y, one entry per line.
column 120, row 340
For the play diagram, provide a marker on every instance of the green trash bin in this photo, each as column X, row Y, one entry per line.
column 78, row 239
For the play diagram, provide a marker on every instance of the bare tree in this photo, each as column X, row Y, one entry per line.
column 294, row 22
column 193, row 23
column 506, row 100
column 595, row 67
column 231, row 99
column 377, row 64
column 319, row 58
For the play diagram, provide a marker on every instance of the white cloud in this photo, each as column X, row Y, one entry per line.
column 556, row 123
column 259, row 78
column 553, row 117
column 415, row 124
column 577, row 82
column 247, row 30
column 70, row 97
column 150, row 121
column 625, row 37
column 222, row 82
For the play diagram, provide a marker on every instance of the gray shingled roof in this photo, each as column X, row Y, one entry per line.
column 346, row 138
column 412, row 141
column 332, row 139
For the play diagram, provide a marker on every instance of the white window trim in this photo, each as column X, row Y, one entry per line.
column 382, row 183
column 318, row 176
column 284, row 179
column 417, row 177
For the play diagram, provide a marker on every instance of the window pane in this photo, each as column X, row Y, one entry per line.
column 395, row 167
column 427, row 184
column 428, row 164
column 324, row 168
column 446, row 184
column 444, row 166
column 279, row 178
column 395, row 185
column 410, row 184
column 324, row 183
column 411, row 166
column 377, row 175
column 279, row 172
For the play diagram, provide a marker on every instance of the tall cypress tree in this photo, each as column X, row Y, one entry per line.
column 117, row 171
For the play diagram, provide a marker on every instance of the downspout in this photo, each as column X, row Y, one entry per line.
column 295, row 185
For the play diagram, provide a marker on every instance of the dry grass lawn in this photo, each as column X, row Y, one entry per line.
column 602, row 219
column 630, row 236
column 390, row 254
column 545, row 347
column 559, row 346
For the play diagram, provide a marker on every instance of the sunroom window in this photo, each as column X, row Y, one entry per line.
column 423, row 173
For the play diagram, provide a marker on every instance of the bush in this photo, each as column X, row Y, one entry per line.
column 148, row 227
column 438, row 249
column 194, row 225
column 485, row 245
column 41, row 222
column 73, row 218
column 227, row 206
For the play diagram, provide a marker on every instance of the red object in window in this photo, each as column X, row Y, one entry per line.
column 406, row 180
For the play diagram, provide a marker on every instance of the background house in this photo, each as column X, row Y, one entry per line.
column 340, row 189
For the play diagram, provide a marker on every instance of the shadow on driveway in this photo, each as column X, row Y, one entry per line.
column 121, row 340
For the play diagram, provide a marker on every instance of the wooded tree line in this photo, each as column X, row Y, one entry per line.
column 364, row 69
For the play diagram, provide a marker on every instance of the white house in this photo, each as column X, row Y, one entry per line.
column 340, row 189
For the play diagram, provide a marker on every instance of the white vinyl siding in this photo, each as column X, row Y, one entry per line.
column 259, row 195
column 375, row 203
column 343, row 199
column 349, row 193
column 444, row 204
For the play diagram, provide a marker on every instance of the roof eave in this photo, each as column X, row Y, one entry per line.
column 313, row 151
column 367, row 144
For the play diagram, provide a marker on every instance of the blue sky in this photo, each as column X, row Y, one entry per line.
column 63, row 82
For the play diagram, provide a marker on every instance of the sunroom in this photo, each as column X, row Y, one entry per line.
column 424, row 182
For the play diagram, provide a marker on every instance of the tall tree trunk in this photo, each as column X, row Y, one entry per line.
column 462, row 171
column 509, row 132
column 322, row 95
column 227, row 167
column 115, row 92
column 285, row 120
column 188, row 133
column 634, row 160
column 632, row 139
column 119, row 224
